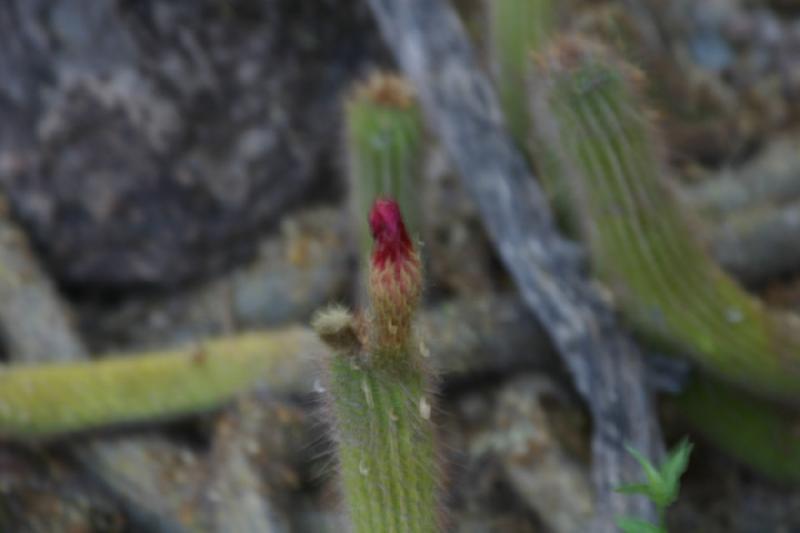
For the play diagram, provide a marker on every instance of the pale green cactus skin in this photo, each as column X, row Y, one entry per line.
column 387, row 448
column 663, row 281
column 378, row 393
column 518, row 29
column 384, row 147
column 381, row 409
column 641, row 245
column 48, row 400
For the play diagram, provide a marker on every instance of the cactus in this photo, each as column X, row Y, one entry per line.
column 662, row 279
column 517, row 28
column 378, row 392
column 40, row 401
column 518, row 31
column 641, row 245
column 384, row 131
column 761, row 434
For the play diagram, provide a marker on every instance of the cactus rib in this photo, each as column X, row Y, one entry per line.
column 517, row 28
column 664, row 282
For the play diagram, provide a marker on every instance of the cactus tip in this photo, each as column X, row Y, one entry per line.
column 387, row 90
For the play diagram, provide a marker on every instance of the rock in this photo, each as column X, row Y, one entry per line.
column 525, row 458
column 295, row 272
column 44, row 493
column 149, row 143
column 719, row 496
column 535, row 453
column 771, row 177
column 458, row 253
column 481, row 498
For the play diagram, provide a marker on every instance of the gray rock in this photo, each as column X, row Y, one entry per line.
column 534, row 455
column 148, row 143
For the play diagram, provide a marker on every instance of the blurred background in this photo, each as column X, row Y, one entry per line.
column 175, row 171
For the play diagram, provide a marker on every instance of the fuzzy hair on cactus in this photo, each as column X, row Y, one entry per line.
column 641, row 244
column 378, row 392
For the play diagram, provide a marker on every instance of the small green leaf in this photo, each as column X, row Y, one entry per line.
column 662, row 484
column 675, row 464
column 657, row 489
column 633, row 525
column 653, row 475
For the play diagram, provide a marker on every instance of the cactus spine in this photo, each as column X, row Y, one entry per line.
column 377, row 389
column 663, row 281
column 384, row 131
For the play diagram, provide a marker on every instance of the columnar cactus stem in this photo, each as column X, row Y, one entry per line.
column 761, row 434
column 378, row 391
column 641, row 244
column 662, row 279
column 40, row 401
column 384, row 141
column 517, row 29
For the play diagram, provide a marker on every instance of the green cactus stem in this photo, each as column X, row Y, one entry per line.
column 464, row 331
column 517, row 28
column 763, row 435
column 641, row 244
column 384, row 146
column 607, row 135
column 40, row 401
column 378, row 392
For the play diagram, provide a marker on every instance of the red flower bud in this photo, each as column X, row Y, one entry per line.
column 395, row 280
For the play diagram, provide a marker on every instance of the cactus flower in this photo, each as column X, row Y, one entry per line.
column 395, row 277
